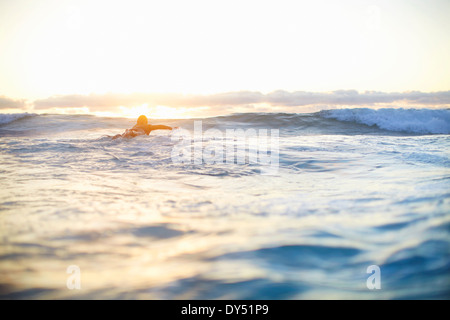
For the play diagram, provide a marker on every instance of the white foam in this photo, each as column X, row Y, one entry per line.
column 10, row 117
column 404, row 120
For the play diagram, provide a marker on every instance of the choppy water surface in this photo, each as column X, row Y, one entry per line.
column 349, row 193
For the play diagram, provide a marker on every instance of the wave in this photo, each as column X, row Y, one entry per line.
column 351, row 121
column 423, row 121
column 11, row 117
column 359, row 121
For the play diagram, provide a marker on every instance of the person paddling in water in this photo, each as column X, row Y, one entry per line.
column 142, row 127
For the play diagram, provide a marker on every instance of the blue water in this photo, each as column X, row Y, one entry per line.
column 354, row 188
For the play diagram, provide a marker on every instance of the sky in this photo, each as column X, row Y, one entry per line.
column 185, row 58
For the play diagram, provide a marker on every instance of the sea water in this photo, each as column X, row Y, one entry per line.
column 355, row 190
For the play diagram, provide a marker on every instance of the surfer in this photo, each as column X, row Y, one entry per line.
column 142, row 127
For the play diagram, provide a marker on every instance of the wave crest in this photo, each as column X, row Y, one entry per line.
column 10, row 117
column 424, row 121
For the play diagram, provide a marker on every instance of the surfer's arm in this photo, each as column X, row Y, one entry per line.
column 159, row 127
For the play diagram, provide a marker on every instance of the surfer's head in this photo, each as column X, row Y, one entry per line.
column 142, row 120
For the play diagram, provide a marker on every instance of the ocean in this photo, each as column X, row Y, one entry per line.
column 356, row 205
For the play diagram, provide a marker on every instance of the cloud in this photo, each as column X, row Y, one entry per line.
column 352, row 97
column 8, row 103
column 100, row 102
column 280, row 98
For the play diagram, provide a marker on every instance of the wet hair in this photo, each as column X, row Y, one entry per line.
column 142, row 120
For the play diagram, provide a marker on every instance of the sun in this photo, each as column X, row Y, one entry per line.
column 156, row 112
